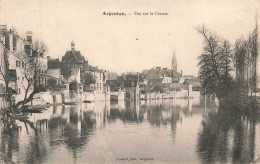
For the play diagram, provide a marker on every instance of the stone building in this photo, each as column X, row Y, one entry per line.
column 74, row 59
column 80, row 67
column 131, row 87
column 14, row 49
column 98, row 75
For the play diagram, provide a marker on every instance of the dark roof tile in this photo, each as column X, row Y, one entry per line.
column 76, row 54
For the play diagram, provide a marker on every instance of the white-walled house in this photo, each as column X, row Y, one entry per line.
column 75, row 75
column 98, row 86
column 18, row 83
column 18, row 50
column 166, row 79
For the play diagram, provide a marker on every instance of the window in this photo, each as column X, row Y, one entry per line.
column 23, row 64
column 23, row 78
column 18, row 78
column 19, row 90
column 18, row 63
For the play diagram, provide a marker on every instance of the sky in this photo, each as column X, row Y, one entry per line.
column 132, row 42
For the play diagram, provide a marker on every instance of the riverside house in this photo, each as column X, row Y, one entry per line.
column 13, row 49
column 131, row 87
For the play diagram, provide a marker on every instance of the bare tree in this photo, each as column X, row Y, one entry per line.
column 32, row 71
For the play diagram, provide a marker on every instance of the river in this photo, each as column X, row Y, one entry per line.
column 155, row 131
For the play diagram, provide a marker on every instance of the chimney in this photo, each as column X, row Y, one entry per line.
column 3, row 27
column 29, row 36
column 181, row 73
column 11, row 39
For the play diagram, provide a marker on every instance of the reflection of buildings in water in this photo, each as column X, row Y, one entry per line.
column 70, row 125
column 154, row 116
column 130, row 112
column 189, row 105
column 88, row 106
column 99, row 118
column 196, row 105
column 175, row 117
column 107, row 111
column 119, row 105
column 143, row 102
column 26, row 143
column 133, row 111
column 163, row 115
column 181, row 103
column 98, row 111
column 95, row 106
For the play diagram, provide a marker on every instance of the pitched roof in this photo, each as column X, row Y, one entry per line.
column 135, row 77
column 158, row 72
column 76, row 54
column 93, row 69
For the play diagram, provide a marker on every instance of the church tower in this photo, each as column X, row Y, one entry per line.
column 174, row 62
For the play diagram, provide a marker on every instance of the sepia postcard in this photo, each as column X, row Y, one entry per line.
column 129, row 81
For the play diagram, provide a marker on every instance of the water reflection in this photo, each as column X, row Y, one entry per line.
column 99, row 132
column 227, row 137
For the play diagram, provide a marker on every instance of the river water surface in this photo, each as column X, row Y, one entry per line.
column 156, row 131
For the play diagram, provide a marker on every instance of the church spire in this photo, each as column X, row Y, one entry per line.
column 174, row 61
